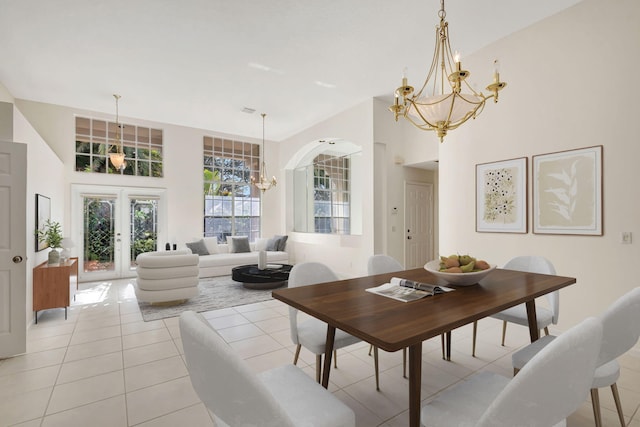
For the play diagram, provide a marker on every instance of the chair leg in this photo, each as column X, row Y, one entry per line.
column 318, row 367
column 595, row 402
column 444, row 356
column 295, row 357
column 475, row 333
column 546, row 330
column 375, row 364
column 404, row 362
column 335, row 359
column 616, row 398
column 370, row 348
column 504, row 330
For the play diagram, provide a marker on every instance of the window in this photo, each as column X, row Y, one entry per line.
column 331, row 207
column 95, row 139
column 231, row 203
column 328, row 188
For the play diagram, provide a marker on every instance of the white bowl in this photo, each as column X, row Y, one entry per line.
column 457, row 279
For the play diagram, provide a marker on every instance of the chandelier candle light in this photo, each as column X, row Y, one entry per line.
column 263, row 184
column 117, row 158
column 441, row 105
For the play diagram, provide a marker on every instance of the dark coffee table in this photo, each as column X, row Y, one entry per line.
column 274, row 276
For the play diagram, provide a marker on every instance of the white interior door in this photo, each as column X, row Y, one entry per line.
column 13, row 249
column 418, row 224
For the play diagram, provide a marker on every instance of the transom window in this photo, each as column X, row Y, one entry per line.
column 231, row 203
column 142, row 147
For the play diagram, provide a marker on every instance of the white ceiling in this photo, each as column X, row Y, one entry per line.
column 197, row 63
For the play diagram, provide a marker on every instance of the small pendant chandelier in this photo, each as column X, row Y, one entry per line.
column 441, row 105
column 263, row 184
column 117, row 158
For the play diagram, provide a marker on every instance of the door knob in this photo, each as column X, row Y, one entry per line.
column 17, row 259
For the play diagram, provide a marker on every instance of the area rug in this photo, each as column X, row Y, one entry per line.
column 215, row 293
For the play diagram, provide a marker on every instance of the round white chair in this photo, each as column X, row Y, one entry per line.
column 169, row 276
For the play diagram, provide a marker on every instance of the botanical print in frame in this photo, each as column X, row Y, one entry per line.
column 501, row 196
column 43, row 214
column 567, row 192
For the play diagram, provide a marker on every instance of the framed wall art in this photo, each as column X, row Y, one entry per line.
column 43, row 214
column 501, row 196
column 567, row 192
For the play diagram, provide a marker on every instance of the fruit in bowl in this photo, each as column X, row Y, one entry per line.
column 468, row 270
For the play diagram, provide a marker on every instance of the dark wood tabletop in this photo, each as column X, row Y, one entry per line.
column 393, row 325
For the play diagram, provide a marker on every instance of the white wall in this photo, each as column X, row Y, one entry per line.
column 182, row 167
column 44, row 176
column 566, row 90
column 347, row 255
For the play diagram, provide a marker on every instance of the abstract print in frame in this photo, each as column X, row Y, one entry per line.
column 501, row 196
column 567, row 192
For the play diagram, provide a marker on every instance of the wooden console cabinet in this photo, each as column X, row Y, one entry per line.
column 51, row 285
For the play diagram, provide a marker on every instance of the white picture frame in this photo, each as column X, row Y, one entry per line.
column 501, row 196
column 567, row 192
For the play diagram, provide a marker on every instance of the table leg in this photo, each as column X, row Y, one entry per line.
column 415, row 376
column 534, row 333
column 328, row 352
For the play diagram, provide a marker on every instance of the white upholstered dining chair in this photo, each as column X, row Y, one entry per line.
column 381, row 264
column 312, row 333
column 547, row 390
column 621, row 329
column 283, row 396
column 518, row 314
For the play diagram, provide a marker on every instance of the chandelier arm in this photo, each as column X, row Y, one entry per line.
column 433, row 70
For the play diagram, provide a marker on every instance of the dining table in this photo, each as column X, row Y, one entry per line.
column 393, row 325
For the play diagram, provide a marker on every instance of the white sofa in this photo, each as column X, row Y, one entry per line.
column 219, row 262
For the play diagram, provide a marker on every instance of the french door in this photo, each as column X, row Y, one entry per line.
column 112, row 225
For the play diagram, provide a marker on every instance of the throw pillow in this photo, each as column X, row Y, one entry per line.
column 261, row 244
column 282, row 243
column 239, row 244
column 198, row 247
column 212, row 245
column 272, row 244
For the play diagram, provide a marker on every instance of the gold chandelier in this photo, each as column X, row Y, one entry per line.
column 441, row 105
column 117, row 158
column 263, row 184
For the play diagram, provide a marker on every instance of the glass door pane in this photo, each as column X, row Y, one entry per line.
column 143, row 226
column 99, row 234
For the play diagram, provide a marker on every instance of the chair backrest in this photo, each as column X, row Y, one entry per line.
column 621, row 326
column 380, row 264
column 553, row 384
column 223, row 381
column 303, row 274
column 538, row 264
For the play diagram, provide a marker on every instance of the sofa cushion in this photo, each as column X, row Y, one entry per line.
column 239, row 244
column 212, row 245
column 261, row 244
column 198, row 247
column 282, row 243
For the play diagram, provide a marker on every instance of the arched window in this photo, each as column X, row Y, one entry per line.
column 325, row 194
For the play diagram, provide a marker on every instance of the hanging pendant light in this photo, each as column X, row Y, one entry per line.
column 263, row 184
column 117, row 158
column 446, row 100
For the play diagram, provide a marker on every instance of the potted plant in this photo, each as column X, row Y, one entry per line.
column 51, row 234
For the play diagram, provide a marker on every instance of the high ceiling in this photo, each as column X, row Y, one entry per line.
column 198, row 63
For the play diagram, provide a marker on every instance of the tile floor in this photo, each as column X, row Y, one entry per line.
column 105, row 366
